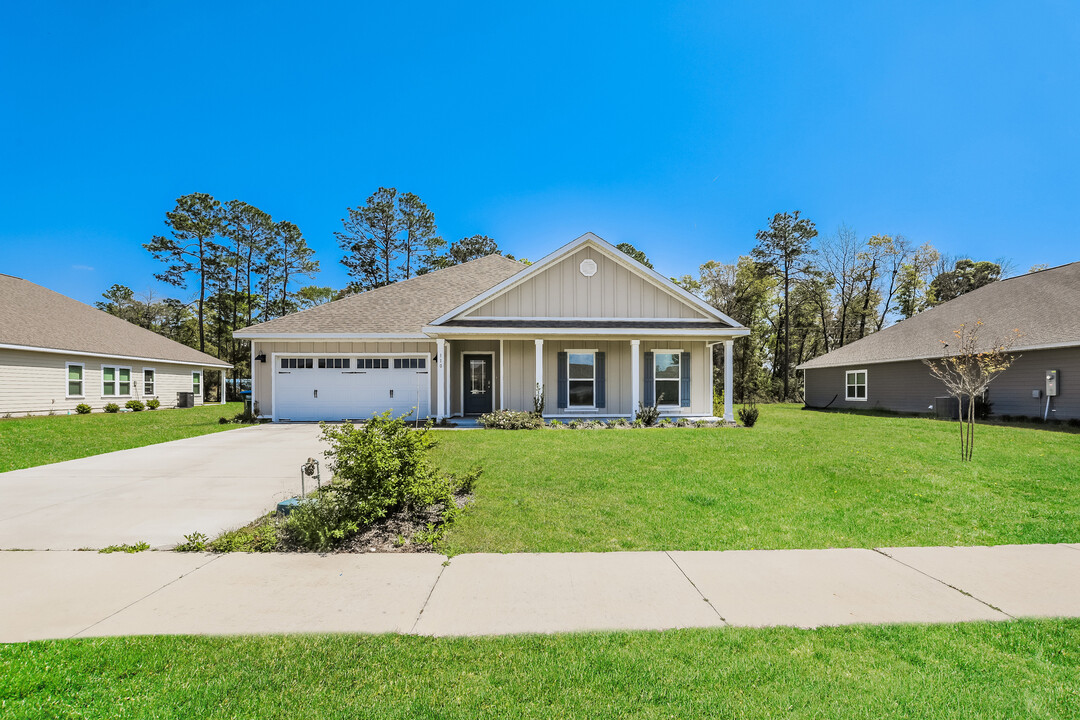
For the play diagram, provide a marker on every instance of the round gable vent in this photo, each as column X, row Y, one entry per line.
column 588, row 267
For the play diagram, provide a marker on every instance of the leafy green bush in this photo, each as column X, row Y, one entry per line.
column 379, row 468
column 153, row 404
column 647, row 415
column 511, row 420
column 82, row 409
column 134, row 405
column 112, row 408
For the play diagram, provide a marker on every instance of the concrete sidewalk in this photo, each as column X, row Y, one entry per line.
column 84, row 594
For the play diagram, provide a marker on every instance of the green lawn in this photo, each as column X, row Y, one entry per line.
column 29, row 441
column 799, row 479
column 1019, row 669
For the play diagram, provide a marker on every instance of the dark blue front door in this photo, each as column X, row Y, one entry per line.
column 477, row 383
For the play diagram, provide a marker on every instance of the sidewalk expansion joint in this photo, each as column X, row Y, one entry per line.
column 178, row 578
column 697, row 589
column 993, row 607
column 412, row 630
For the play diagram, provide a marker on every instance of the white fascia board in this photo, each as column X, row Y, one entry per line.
column 523, row 318
column 330, row 336
column 438, row 331
column 607, row 249
column 59, row 351
column 1026, row 348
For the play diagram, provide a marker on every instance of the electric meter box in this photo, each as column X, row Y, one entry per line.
column 1051, row 383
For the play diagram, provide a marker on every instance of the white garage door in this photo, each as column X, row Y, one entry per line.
column 350, row 388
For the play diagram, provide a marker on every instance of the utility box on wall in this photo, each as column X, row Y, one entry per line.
column 1051, row 383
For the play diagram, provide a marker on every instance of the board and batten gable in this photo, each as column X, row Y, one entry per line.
column 562, row 291
column 34, row 382
column 907, row 386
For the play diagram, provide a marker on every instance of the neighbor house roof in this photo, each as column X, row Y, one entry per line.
column 402, row 308
column 36, row 318
column 1043, row 306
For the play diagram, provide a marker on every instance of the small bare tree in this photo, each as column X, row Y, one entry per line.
column 967, row 368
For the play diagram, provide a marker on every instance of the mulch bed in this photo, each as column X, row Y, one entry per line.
column 394, row 534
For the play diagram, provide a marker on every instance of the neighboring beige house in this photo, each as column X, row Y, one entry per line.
column 56, row 352
column 885, row 370
column 596, row 330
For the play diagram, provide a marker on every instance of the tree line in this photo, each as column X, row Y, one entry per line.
column 803, row 295
column 240, row 267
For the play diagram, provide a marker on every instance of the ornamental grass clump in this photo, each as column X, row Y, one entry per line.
column 380, row 467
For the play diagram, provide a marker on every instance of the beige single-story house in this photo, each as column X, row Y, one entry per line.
column 57, row 353
column 886, row 370
column 592, row 329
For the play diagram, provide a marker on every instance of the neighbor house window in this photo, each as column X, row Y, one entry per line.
column 115, row 381
column 581, row 377
column 75, row 379
column 196, row 383
column 856, row 385
column 148, row 381
column 666, row 375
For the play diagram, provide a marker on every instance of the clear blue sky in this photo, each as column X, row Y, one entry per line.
column 678, row 128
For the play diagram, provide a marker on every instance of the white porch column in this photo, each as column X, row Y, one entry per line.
column 440, row 364
column 502, row 383
column 635, row 376
column 729, row 415
column 540, row 367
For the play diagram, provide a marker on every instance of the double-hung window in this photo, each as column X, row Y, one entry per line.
column 581, row 377
column 666, row 376
column 196, row 383
column 148, row 375
column 115, row 381
column 856, row 385
column 75, row 373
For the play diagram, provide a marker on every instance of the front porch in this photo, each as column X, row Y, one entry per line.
column 583, row 376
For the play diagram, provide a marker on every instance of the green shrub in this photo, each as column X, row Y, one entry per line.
column 379, row 468
column 511, row 420
column 82, row 409
column 223, row 420
column 748, row 415
column 153, row 404
column 573, row 424
column 112, row 408
column 134, row 406
column 647, row 414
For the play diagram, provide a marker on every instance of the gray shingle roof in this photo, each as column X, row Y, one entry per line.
column 1044, row 306
column 34, row 316
column 404, row 307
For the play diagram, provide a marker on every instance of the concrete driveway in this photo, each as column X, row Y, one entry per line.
column 157, row 493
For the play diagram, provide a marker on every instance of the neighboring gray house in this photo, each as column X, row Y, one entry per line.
column 598, row 331
column 885, row 369
column 56, row 353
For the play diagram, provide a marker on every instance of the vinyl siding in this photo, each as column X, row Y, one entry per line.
column 907, row 386
column 262, row 372
column 520, row 368
column 561, row 291
column 36, row 382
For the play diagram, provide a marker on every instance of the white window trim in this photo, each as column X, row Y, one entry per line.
column 581, row 408
column 67, row 381
column 116, row 380
column 142, row 383
column 865, row 385
column 678, row 400
column 201, row 383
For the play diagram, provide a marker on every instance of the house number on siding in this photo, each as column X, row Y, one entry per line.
column 588, row 267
